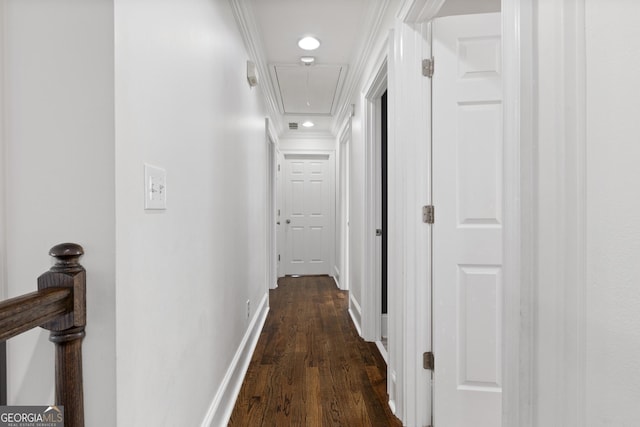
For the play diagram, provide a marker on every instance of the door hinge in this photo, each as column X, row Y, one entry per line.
column 427, row 67
column 278, row 167
column 278, row 257
column 428, row 361
column 428, row 214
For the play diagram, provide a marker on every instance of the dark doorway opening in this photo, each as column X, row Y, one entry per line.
column 383, row 182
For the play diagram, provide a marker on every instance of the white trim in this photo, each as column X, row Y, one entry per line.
column 366, row 48
column 382, row 350
column 396, row 218
column 420, row 10
column 558, row 306
column 222, row 405
column 342, row 198
column 371, row 291
column 273, row 70
column 355, row 311
column 409, row 240
column 251, row 36
column 335, row 280
column 279, row 206
column 519, row 216
column 270, row 217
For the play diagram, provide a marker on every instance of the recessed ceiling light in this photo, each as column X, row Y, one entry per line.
column 308, row 124
column 307, row 60
column 309, row 43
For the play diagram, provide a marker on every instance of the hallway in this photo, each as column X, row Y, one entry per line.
column 310, row 367
column 96, row 92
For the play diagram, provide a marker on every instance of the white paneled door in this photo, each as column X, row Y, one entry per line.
column 467, row 234
column 308, row 213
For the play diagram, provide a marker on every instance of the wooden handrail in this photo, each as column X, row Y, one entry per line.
column 18, row 315
column 59, row 306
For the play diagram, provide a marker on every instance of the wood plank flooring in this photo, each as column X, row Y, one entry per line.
column 310, row 367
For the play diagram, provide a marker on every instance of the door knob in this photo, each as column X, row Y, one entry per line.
column 288, row 221
column 378, row 231
column 278, row 223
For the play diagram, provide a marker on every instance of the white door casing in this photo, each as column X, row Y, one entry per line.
column 342, row 220
column 308, row 213
column 271, row 216
column 279, row 213
column 468, row 232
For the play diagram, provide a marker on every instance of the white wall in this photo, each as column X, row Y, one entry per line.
column 613, row 202
column 59, row 171
column 184, row 275
column 307, row 144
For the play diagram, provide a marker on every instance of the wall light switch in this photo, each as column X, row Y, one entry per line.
column 155, row 187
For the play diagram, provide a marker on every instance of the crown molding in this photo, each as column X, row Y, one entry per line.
column 419, row 10
column 251, row 36
column 246, row 23
column 354, row 78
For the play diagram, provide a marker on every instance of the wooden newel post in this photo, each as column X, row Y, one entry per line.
column 67, row 331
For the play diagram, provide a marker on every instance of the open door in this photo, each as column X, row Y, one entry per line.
column 467, row 234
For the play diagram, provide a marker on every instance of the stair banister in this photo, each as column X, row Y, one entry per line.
column 59, row 305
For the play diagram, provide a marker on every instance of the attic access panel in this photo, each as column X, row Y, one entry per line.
column 308, row 89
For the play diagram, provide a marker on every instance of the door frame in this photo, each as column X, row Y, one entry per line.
column 342, row 206
column 371, row 324
column 519, row 191
column 271, row 205
column 520, row 230
column 279, row 202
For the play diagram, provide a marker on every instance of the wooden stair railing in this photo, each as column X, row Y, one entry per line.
column 59, row 306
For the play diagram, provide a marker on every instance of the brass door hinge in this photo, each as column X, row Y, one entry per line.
column 428, row 361
column 427, row 67
column 428, row 214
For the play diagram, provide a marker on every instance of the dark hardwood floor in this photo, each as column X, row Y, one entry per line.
column 310, row 367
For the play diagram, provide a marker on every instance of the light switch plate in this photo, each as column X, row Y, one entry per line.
column 155, row 188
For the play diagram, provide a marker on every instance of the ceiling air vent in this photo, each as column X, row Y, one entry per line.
column 293, row 126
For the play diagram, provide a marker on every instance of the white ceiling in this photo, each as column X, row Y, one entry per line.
column 346, row 29
column 322, row 91
column 308, row 90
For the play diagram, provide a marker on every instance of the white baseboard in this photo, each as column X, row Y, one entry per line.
column 335, row 279
column 383, row 351
column 340, row 280
column 391, row 390
column 356, row 313
column 225, row 399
